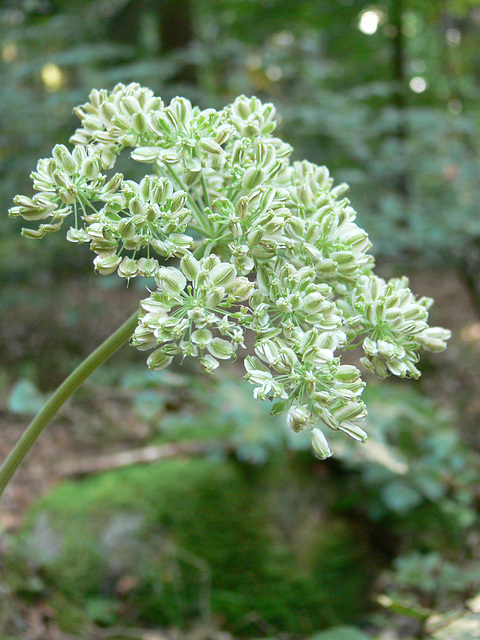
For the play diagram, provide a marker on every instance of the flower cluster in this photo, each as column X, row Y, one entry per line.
column 256, row 244
column 189, row 302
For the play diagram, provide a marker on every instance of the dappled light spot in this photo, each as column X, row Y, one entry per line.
column 471, row 334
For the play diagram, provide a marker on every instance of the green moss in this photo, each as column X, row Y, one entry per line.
column 203, row 535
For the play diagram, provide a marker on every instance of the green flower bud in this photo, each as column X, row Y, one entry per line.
column 139, row 122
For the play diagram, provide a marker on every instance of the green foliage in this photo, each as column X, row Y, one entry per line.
column 432, row 575
column 340, row 633
column 415, row 458
column 413, row 463
column 201, row 538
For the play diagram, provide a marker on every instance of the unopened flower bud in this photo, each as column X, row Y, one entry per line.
column 106, row 263
column 159, row 360
column 210, row 145
column 252, row 177
column 221, row 349
column 209, row 364
column 223, row 275
column 319, row 444
column 354, row 431
column 299, row 418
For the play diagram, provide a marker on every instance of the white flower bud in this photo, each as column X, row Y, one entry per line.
column 319, row 444
column 434, row 339
column 350, row 411
column 223, row 275
column 241, row 290
column 210, row 145
column 159, row 359
column 214, row 296
column 77, row 236
column 299, row 417
column 201, row 337
column 106, row 113
column 209, row 364
column 147, row 267
column 354, row 431
column 397, row 367
column 347, row 373
column 64, row 158
column 33, row 234
column 190, row 267
column 106, row 263
column 146, row 154
column 170, row 280
column 90, row 168
column 182, row 243
column 139, row 122
column 130, row 105
column 252, row 177
column 127, row 268
column 221, row 349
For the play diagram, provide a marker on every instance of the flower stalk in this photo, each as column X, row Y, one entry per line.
column 62, row 394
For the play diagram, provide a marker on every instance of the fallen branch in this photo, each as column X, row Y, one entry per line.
column 73, row 467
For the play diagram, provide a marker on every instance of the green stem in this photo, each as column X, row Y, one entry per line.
column 62, row 394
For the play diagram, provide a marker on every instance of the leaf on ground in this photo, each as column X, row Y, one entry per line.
column 25, row 399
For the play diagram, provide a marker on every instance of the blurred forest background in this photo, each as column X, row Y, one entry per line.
column 235, row 531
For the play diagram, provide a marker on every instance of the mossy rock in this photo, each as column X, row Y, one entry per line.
column 188, row 538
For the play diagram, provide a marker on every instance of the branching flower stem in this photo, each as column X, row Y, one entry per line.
column 62, row 394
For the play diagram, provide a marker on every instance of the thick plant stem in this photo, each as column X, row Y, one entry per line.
column 62, row 394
